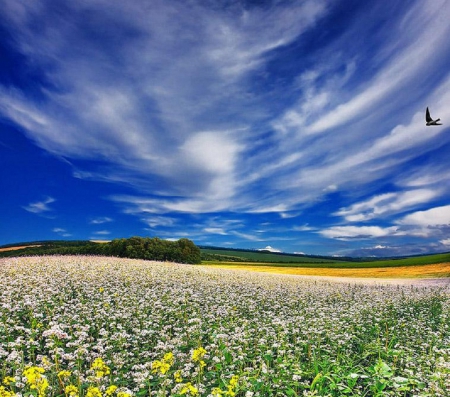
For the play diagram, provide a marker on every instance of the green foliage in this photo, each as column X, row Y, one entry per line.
column 236, row 255
column 181, row 251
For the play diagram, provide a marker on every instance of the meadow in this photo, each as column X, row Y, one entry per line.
column 114, row 327
column 286, row 260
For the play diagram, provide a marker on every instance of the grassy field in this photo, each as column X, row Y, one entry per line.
column 269, row 259
column 110, row 327
column 257, row 256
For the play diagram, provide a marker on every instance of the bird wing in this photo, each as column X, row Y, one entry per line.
column 428, row 117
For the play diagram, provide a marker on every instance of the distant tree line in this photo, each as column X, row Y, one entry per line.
column 180, row 251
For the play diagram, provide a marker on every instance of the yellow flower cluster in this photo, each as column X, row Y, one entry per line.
column 36, row 380
column 231, row 388
column 5, row 393
column 197, row 356
column 8, row 380
column 46, row 362
column 110, row 390
column 64, row 374
column 124, row 394
column 93, row 391
column 71, row 391
column 177, row 376
column 100, row 368
column 189, row 389
column 161, row 367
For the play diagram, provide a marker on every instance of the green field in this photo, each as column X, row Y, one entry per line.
column 258, row 256
column 285, row 260
column 216, row 255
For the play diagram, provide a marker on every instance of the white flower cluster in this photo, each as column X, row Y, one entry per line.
column 263, row 335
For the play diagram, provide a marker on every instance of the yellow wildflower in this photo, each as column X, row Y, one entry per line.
column 217, row 392
column 168, row 358
column 46, row 361
column 124, row 394
column 5, row 393
column 188, row 388
column 198, row 354
column 64, row 374
column 155, row 366
column 232, row 386
column 71, row 391
column 101, row 289
column 164, row 368
column 164, row 365
column 93, row 392
column 110, row 390
column 177, row 376
column 8, row 380
column 31, row 373
column 100, row 368
column 36, row 380
column 234, row 381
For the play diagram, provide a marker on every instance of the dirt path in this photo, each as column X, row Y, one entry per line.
column 415, row 282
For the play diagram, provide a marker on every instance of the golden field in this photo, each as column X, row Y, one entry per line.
column 419, row 271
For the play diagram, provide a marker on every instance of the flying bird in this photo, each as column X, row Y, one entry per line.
column 430, row 121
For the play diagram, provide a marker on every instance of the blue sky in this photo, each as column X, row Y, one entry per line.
column 298, row 125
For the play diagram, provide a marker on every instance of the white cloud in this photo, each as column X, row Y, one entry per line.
column 100, row 220
column 102, row 232
column 409, row 56
column 432, row 217
column 39, row 207
column 62, row 232
column 303, row 228
column 172, row 110
column 143, row 115
column 158, row 221
column 215, row 230
column 269, row 248
column 387, row 203
column 360, row 232
column 246, row 236
column 238, row 44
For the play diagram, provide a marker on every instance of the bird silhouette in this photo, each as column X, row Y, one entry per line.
column 429, row 120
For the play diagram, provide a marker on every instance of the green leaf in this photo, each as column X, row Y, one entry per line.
column 315, row 380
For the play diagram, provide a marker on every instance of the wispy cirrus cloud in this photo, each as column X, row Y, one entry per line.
column 145, row 116
column 102, row 233
column 192, row 140
column 158, row 221
column 387, row 204
column 357, row 232
column 101, row 220
column 62, row 232
column 39, row 207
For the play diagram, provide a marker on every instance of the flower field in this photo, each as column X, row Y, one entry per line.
column 109, row 327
